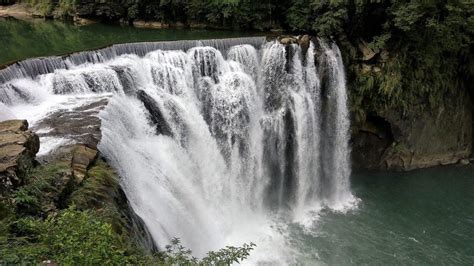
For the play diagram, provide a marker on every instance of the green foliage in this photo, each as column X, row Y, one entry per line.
column 43, row 188
column 70, row 237
column 74, row 237
column 81, row 238
column 97, row 191
column 44, row 7
column 217, row 13
column 176, row 254
column 92, row 230
column 67, row 7
column 426, row 45
column 228, row 255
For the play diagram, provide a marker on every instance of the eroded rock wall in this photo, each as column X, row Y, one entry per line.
column 405, row 140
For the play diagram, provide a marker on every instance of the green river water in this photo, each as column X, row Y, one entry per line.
column 423, row 217
column 24, row 39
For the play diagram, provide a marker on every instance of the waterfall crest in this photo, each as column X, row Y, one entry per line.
column 216, row 141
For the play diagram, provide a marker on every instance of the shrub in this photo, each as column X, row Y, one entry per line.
column 73, row 237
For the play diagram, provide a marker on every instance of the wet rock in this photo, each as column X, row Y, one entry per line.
column 82, row 159
column 304, row 42
column 77, row 125
column 288, row 40
column 156, row 114
column 464, row 161
column 18, row 148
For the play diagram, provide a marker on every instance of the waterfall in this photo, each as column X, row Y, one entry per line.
column 217, row 142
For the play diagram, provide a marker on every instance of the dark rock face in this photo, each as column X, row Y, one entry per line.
column 156, row 115
column 394, row 140
column 18, row 148
column 373, row 137
column 304, row 42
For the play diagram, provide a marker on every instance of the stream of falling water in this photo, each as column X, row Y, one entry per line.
column 216, row 142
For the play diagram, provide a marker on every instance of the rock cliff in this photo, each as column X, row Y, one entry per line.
column 18, row 148
column 408, row 135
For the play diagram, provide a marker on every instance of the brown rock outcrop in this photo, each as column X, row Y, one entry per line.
column 18, row 148
column 304, row 41
column 82, row 159
column 288, row 40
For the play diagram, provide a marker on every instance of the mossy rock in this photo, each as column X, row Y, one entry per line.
column 46, row 186
column 101, row 192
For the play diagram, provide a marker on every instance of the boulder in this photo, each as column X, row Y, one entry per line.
column 18, row 148
column 288, row 40
column 304, row 42
column 82, row 159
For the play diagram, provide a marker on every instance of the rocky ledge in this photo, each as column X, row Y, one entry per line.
column 18, row 147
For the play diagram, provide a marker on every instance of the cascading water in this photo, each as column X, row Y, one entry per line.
column 217, row 142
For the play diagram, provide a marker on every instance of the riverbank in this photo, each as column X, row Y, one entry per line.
column 19, row 11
